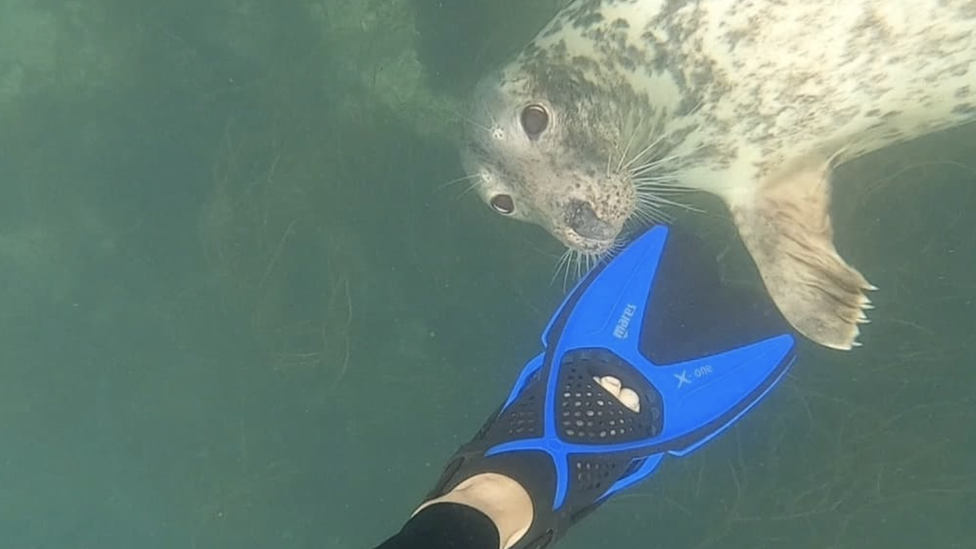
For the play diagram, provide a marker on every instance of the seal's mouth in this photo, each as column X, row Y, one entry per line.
column 583, row 230
column 579, row 243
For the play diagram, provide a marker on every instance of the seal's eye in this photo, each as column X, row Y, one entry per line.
column 535, row 120
column 503, row 204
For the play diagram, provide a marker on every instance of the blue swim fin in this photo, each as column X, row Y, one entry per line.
column 698, row 354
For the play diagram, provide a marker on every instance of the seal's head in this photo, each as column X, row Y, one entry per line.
column 544, row 146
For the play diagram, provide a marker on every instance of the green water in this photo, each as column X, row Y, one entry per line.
column 240, row 308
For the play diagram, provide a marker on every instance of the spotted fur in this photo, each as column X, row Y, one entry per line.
column 755, row 101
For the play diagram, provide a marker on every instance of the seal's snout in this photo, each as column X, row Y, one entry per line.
column 581, row 218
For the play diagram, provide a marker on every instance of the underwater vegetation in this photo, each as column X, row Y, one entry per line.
column 285, row 169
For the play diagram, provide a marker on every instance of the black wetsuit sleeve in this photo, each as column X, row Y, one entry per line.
column 446, row 526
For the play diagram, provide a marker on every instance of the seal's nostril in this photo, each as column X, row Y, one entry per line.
column 581, row 218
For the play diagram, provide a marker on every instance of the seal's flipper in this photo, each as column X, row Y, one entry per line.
column 786, row 227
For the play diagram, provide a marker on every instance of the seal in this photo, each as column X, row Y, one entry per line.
column 618, row 106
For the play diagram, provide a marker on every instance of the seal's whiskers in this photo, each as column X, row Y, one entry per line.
column 650, row 211
column 641, row 154
column 479, row 125
column 459, row 180
column 654, row 178
column 569, row 262
column 623, row 155
column 563, row 261
column 664, row 184
column 574, row 264
column 471, row 187
column 472, row 183
column 654, row 164
column 657, row 179
column 584, row 266
column 655, row 200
